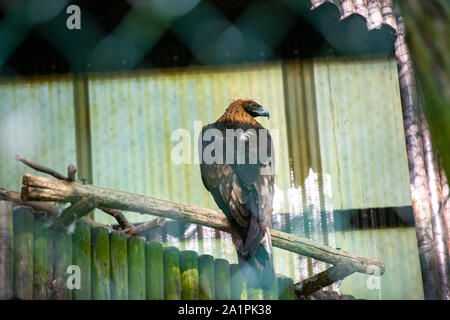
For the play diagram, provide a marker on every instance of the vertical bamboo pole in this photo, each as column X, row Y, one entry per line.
column 255, row 294
column 23, row 253
column 119, row 265
column 238, row 284
column 172, row 273
column 286, row 288
column 136, row 268
column 206, row 277
column 222, row 279
column 40, row 259
column 100, row 264
column 62, row 244
column 154, row 270
column 272, row 292
column 6, row 250
column 81, row 257
column 189, row 275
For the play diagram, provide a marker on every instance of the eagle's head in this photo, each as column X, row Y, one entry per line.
column 249, row 106
column 255, row 109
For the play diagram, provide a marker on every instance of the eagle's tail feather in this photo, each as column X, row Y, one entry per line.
column 258, row 269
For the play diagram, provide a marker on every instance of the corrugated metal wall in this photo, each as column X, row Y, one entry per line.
column 362, row 141
column 397, row 247
column 132, row 129
column 36, row 121
column 347, row 150
column 134, row 116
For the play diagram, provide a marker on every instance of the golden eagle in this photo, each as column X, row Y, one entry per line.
column 237, row 169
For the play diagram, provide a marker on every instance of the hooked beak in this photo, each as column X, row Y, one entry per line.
column 261, row 112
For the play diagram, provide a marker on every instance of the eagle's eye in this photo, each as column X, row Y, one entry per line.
column 253, row 105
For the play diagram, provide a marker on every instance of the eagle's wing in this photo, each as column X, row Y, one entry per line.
column 244, row 192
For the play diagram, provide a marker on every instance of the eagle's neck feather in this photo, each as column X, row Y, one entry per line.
column 236, row 117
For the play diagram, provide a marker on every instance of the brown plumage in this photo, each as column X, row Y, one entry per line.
column 243, row 188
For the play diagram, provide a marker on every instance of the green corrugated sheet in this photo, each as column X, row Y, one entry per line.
column 37, row 121
column 362, row 140
column 133, row 117
column 396, row 246
column 363, row 155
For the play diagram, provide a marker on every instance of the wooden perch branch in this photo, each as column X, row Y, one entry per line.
column 81, row 208
column 119, row 216
column 52, row 210
column 14, row 197
column 322, row 279
column 46, row 189
column 41, row 168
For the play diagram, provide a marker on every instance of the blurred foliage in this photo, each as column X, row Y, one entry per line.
column 428, row 33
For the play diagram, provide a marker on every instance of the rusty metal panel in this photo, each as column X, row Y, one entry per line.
column 362, row 142
column 134, row 115
column 37, row 121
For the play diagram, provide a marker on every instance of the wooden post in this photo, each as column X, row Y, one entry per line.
column 189, row 275
column 206, row 277
column 119, row 265
column 41, row 255
column 62, row 244
column 6, row 250
column 172, row 273
column 81, row 257
column 100, row 271
column 136, row 268
column 222, row 278
column 238, row 283
column 23, row 253
column 154, row 270
column 286, row 288
column 255, row 294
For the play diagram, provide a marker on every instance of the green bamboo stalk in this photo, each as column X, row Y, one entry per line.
column 272, row 292
column 222, row 279
column 136, row 268
column 255, row 294
column 6, row 250
column 172, row 273
column 81, row 257
column 100, row 264
column 189, row 275
column 206, row 277
column 238, row 283
column 62, row 245
column 23, row 253
column 154, row 270
column 119, row 265
column 286, row 288
column 41, row 253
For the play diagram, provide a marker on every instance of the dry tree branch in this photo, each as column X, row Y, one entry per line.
column 86, row 197
column 119, row 216
column 147, row 226
column 40, row 168
column 52, row 210
column 322, row 279
column 45, row 189
column 81, row 207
